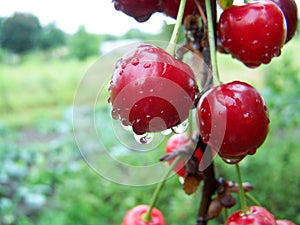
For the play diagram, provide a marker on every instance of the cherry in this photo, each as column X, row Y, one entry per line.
column 284, row 222
column 151, row 91
column 175, row 142
column 233, row 119
column 140, row 10
column 135, row 216
column 256, row 215
column 290, row 11
column 171, row 8
column 254, row 33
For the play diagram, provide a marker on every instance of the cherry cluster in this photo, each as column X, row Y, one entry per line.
column 152, row 90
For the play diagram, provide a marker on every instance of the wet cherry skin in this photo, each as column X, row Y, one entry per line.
column 140, row 10
column 134, row 216
column 175, row 142
column 253, row 33
column 150, row 90
column 290, row 12
column 171, row 8
column 233, row 119
column 255, row 215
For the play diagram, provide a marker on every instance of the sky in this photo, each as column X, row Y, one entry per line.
column 98, row 16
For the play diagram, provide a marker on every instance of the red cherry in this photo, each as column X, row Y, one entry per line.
column 255, row 215
column 254, row 33
column 284, row 222
column 140, row 10
column 290, row 11
column 171, row 8
column 233, row 119
column 134, row 216
column 151, row 90
column 175, row 142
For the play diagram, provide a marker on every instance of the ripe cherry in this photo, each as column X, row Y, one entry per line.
column 175, row 142
column 290, row 11
column 254, row 33
column 171, row 8
column 255, row 215
column 233, row 119
column 141, row 10
column 284, row 222
column 135, row 216
column 151, row 91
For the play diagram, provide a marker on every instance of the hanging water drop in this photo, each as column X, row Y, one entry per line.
column 144, row 138
column 166, row 132
column 115, row 114
column 181, row 128
column 233, row 160
column 127, row 128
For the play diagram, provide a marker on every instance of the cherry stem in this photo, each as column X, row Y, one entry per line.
column 241, row 189
column 147, row 216
column 252, row 199
column 212, row 41
column 174, row 38
column 225, row 214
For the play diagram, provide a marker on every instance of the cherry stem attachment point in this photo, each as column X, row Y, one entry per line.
column 174, row 38
column 212, row 41
column 243, row 202
column 147, row 216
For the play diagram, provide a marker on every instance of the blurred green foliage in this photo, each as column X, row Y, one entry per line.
column 83, row 44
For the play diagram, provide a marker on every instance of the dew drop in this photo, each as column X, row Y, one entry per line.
column 144, row 138
column 252, row 151
column 127, row 128
column 141, row 92
column 247, row 117
column 166, row 132
column 181, row 128
column 232, row 160
column 123, row 65
column 205, row 138
column 121, row 72
column 115, row 114
column 135, row 61
column 147, row 65
column 254, row 42
column 151, row 90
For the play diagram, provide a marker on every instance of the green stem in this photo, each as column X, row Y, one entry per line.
column 241, row 189
column 225, row 214
column 252, row 199
column 212, row 42
column 174, row 38
column 147, row 216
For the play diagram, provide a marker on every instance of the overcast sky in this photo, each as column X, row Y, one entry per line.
column 98, row 16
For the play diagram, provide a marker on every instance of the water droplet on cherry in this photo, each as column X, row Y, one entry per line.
column 135, row 61
column 166, row 132
column 147, row 65
column 127, row 128
column 233, row 160
column 181, row 128
column 115, row 114
column 247, row 117
column 144, row 138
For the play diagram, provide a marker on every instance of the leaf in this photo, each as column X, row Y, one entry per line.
column 225, row 3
